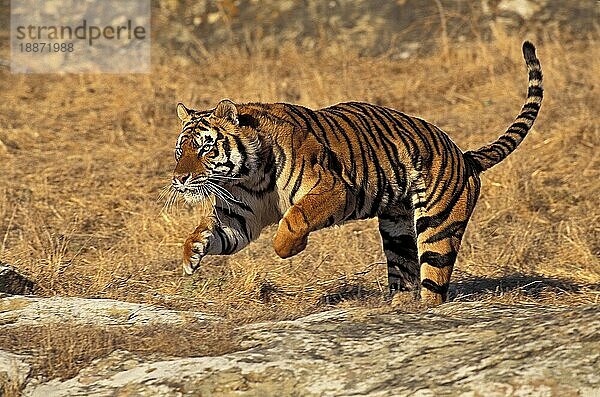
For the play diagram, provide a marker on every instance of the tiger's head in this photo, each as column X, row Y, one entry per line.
column 212, row 150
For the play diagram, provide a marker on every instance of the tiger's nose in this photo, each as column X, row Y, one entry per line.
column 180, row 179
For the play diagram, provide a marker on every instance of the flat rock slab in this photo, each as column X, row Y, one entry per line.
column 458, row 349
column 18, row 311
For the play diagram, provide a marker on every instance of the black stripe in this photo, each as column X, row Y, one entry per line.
column 363, row 142
column 426, row 222
column 454, row 229
column 438, row 260
column 360, row 112
column 502, row 144
column 529, row 115
column 532, row 106
column 296, row 121
column 520, row 125
column 368, row 121
column 292, row 161
column 298, row 183
column 319, row 177
column 535, row 74
column 517, row 131
column 535, row 91
column 234, row 244
column 334, row 164
column 512, row 143
column 433, row 287
column 449, row 168
column 322, row 137
column 241, row 148
column 438, row 187
column 390, row 149
column 225, row 246
column 432, row 136
column 417, row 133
column 267, row 174
column 304, row 114
column 408, row 139
column 352, row 127
column 241, row 220
column 332, row 119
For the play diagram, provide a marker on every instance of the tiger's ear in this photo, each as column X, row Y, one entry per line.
column 182, row 112
column 226, row 109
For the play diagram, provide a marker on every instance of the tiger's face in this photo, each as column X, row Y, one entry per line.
column 212, row 150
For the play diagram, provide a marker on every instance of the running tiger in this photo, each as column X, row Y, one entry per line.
column 310, row 169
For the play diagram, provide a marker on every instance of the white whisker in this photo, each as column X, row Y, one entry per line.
column 224, row 192
column 164, row 191
column 210, row 195
column 223, row 200
column 218, row 176
column 219, row 195
column 170, row 199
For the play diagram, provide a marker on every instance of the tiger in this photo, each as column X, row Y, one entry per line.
column 305, row 170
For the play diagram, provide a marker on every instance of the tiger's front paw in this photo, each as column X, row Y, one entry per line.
column 288, row 244
column 194, row 249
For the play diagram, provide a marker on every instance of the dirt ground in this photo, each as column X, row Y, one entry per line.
column 84, row 157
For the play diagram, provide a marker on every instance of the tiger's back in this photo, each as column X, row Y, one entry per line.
column 377, row 151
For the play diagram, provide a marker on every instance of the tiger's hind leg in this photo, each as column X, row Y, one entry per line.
column 400, row 248
column 440, row 228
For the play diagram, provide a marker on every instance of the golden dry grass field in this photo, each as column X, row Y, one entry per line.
column 84, row 157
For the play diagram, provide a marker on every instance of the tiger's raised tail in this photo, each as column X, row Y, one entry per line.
column 490, row 155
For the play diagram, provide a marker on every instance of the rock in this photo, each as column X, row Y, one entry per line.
column 525, row 8
column 18, row 311
column 14, row 370
column 12, row 282
column 463, row 349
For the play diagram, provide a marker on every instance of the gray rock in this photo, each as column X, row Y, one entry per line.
column 14, row 370
column 18, row 311
column 524, row 8
column 12, row 282
column 462, row 349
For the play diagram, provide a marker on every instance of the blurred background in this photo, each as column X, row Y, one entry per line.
column 190, row 31
column 400, row 28
column 83, row 157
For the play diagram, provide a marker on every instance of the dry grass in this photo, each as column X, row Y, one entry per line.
column 62, row 350
column 84, row 157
